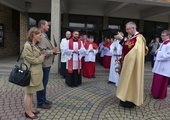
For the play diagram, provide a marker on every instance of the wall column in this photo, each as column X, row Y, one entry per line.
column 65, row 20
column 23, row 28
column 55, row 31
column 141, row 26
column 105, row 22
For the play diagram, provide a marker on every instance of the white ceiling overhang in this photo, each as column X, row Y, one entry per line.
column 141, row 9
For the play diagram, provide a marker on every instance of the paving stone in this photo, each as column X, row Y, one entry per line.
column 93, row 100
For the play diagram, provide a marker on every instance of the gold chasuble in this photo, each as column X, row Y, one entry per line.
column 131, row 82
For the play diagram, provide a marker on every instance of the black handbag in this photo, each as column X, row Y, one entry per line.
column 20, row 74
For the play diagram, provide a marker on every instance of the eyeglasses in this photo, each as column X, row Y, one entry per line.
column 163, row 35
column 129, row 28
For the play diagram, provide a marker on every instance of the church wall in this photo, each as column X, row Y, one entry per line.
column 11, row 35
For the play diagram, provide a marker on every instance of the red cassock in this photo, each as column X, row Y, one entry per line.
column 159, row 86
column 107, row 59
column 85, row 43
column 89, row 67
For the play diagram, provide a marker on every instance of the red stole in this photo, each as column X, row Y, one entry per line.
column 95, row 46
column 129, row 44
column 166, row 42
column 107, row 44
column 84, row 41
column 86, row 45
column 70, row 62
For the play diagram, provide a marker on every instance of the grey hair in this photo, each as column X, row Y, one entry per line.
column 68, row 32
column 166, row 32
column 132, row 24
column 41, row 22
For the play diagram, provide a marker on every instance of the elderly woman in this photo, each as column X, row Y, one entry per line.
column 33, row 59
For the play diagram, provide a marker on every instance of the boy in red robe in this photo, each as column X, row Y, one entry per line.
column 107, row 54
column 90, row 58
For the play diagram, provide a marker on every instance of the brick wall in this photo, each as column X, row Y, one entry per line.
column 23, row 28
column 11, row 40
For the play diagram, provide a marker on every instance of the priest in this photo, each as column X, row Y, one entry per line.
column 63, row 58
column 130, row 89
column 74, row 51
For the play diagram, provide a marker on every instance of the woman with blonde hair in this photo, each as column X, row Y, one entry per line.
column 33, row 59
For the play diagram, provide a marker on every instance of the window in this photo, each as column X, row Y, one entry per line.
column 90, row 26
column 114, row 27
column 160, row 27
column 1, row 35
column 94, row 22
column 32, row 22
column 76, row 25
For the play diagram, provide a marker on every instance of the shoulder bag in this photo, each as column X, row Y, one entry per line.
column 20, row 74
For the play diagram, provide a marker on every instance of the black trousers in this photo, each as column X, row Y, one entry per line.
column 63, row 69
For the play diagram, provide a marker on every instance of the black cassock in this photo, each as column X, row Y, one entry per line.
column 73, row 79
column 63, row 69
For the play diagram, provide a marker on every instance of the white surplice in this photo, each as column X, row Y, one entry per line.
column 106, row 51
column 69, row 54
column 101, row 49
column 162, row 60
column 90, row 56
column 113, row 76
column 62, row 47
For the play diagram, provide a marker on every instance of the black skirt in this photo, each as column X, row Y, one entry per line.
column 73, row 79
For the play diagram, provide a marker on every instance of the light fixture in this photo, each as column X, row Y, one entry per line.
column 28, row 5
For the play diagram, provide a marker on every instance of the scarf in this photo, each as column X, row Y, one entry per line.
column 70, row 62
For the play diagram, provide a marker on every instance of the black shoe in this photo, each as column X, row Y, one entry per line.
column 36, row 112
column 127, row 104
column 33, row 117
column 47, row 102
column 109, row 82
column 93, row 76
column 156, row 98
column 44, row 106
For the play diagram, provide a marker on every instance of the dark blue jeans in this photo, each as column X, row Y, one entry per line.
column 152, row 61
column 41, row 95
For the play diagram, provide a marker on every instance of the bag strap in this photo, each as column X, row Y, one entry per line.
column 32, row 52
column 20, row 54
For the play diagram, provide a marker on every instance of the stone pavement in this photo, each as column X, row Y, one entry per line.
column 93, row 100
